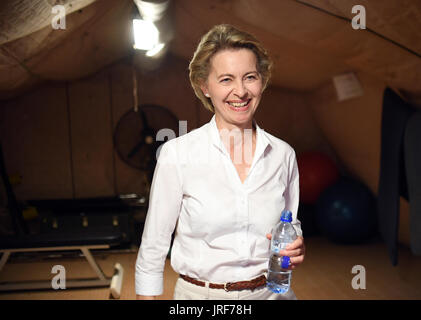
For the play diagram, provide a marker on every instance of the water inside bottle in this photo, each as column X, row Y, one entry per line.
column 279, row 279
column 277, row 245
column 279, row 282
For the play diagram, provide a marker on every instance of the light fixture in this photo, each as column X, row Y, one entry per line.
column 155, row 50
column 145, row 31
column 146, row 34
column 152, row 10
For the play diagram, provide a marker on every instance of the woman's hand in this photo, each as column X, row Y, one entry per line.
column 295, row 250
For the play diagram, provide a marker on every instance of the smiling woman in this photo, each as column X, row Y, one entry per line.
column 217, row 39
column 235, row 87
column 222, row 210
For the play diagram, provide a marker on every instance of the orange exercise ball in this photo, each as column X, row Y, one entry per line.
column 317, row 172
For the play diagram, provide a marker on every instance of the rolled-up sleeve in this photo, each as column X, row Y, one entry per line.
column 164, row 208
column 292, row 194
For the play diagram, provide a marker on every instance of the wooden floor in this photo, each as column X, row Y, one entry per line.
column 325, row 274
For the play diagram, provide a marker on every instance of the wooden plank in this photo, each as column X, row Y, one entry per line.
column 169, row 86
column 34, row 130
column 128, row 179
column 91, row 143
column 286, row 115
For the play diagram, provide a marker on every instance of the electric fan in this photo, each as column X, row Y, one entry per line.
column 136, row 132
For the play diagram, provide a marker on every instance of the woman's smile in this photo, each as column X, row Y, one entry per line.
column 239, row 105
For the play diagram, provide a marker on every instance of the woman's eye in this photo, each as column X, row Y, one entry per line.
column 251, row 77
column 225, row 80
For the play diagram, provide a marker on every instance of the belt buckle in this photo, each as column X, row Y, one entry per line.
column 227, row 285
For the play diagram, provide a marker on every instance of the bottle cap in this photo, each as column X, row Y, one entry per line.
column 286, row 261
column 286, row 216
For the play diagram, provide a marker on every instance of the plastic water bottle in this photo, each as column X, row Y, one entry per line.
column 279, row 278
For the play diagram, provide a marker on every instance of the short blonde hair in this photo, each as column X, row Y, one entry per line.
column 220, row 37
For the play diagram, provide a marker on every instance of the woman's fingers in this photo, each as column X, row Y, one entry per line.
column 297, row 260
column 295, row 250
column 291, row 253
column 297, row 243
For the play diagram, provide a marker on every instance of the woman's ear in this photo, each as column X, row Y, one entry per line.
column 205, row 90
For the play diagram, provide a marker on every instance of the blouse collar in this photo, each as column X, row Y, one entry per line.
column 262, row 141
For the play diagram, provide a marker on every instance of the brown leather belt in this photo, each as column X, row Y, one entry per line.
column 230, row 286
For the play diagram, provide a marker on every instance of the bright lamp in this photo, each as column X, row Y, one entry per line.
column 146, row 35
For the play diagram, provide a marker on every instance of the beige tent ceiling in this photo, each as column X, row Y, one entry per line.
column 310, row 40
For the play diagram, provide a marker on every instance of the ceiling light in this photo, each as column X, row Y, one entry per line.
column 155, row 50
column 146, row 34
column 152, row 10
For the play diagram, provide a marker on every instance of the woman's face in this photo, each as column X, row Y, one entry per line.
column 234, row 86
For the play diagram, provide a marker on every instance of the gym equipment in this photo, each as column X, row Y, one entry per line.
column 90, row 214
column 88, row 224
column 83, row 240
column 392, row 178
column 317, row 172
column 346, row 213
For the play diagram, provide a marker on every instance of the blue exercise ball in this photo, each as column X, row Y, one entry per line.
column 346, row 212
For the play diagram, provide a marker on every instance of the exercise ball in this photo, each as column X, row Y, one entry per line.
column 346, row 212
column 317, row 172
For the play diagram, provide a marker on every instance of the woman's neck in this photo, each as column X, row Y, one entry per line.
column 223, row 125
column 239, row 141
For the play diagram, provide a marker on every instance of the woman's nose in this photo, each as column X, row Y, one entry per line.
column 239, row 89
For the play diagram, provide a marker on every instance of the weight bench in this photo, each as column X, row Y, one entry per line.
column 65, row 242
column 84, row 241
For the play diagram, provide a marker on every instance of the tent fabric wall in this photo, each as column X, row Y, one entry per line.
column 58, row 137
column 309, row 46
column 353, row 129
column 95, row 37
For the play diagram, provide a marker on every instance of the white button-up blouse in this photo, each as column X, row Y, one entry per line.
column 220, row 223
